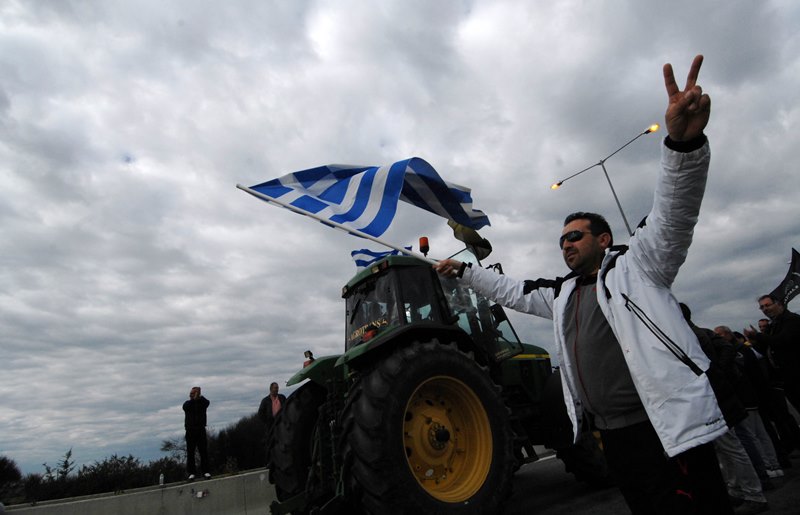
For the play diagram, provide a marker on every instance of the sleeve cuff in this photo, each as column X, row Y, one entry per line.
column 686, row 146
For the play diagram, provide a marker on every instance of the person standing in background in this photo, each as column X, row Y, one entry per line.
column 195, row 424
column 781, row 344
column 269, row 408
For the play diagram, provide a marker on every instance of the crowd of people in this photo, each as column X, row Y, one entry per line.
column 758, row 366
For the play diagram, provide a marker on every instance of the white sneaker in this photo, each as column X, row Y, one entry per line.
column 775, row 473
column 207, row 475
column 191, row 477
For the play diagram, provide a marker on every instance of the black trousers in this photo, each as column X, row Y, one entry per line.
column 792, row 390
column 652, row 483
column 268, row 443
column 196, row 440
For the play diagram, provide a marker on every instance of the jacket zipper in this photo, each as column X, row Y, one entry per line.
column 661, row 335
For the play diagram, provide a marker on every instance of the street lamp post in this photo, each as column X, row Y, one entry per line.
column 601, row 164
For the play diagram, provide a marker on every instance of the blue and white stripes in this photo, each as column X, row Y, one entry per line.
column 365, row 198
column 365, row 257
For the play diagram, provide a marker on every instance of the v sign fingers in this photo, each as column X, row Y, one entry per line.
column 688, row 111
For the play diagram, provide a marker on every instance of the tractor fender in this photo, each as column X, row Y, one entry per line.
column 319, row 371
column 361, row 355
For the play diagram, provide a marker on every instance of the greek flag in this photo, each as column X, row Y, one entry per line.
column 364, row 198
column 366, row 257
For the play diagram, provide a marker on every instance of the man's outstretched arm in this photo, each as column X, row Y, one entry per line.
column 662, row 246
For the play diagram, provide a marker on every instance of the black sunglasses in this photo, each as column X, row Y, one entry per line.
column 571, row 237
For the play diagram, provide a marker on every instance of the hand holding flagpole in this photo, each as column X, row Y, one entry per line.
column 601, row 163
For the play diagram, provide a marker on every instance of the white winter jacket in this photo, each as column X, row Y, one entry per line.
column 633, row 291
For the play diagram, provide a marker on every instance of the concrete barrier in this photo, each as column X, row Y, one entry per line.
column 245, row 493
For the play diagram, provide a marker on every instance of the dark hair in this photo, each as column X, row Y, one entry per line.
column 273, row 383
column 597, row 224
column 772, row 297
column 763, row 320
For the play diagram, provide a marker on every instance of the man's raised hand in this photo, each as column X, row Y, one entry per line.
column 688, row 110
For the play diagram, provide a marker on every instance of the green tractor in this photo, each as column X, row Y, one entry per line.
column 433, row 406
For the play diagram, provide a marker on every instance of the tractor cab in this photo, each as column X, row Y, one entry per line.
column 400, row 291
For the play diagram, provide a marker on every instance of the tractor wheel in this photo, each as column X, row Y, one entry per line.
column 293, row 440
column 426, row 431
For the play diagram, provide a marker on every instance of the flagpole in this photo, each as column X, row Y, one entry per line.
column 339, row 226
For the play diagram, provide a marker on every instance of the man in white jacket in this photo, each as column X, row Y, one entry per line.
column 629, row 361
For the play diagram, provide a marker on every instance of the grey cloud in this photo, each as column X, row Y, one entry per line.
column 124, row 282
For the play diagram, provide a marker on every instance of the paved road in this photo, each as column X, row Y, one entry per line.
column 543, row 488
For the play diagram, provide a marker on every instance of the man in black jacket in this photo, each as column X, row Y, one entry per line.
column 271, row 405
column 781, row 344
column 195, row 423
column 268, row 410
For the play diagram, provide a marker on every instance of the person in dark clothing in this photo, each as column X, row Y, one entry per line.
column 195, row 423
column 271, row 405
column 781, row 344
column 267, row 411
column 729, row 388
column 754, row 388
column 745, row 487
column 781, row 426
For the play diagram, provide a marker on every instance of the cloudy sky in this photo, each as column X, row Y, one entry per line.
column 131, row 268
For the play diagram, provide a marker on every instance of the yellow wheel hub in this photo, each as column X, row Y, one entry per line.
column 448, row 439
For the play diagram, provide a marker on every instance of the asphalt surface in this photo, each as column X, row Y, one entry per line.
column 544, row 488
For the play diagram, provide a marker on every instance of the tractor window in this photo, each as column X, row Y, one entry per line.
column 417, row 296
column 507, row 332
column 463, row 304
column 371, row 305
column 461, row 299
column 485, row 321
